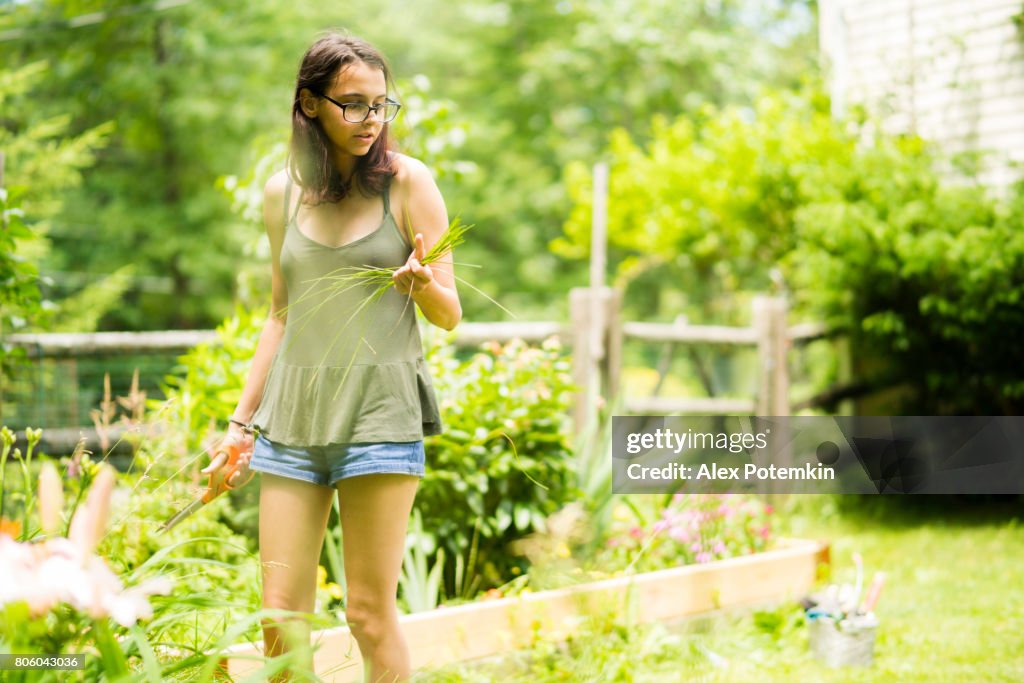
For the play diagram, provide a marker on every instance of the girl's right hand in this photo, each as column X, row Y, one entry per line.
column 235, row 435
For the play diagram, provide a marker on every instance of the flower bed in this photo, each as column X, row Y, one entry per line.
column 480, row 629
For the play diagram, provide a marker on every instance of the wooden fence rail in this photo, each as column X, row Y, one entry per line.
column 595, row 333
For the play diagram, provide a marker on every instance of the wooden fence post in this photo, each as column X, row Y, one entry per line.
column 613, row 343
column 769, row 314
column 596, row 349
column 583, row 363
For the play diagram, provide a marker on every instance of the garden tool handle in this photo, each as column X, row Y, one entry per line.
column 220, row 479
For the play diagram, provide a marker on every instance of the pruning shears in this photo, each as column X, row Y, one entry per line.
column 220, row 481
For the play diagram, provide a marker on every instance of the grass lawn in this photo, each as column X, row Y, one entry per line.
column 952, row 608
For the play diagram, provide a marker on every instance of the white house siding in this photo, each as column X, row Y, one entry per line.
column 951, row 71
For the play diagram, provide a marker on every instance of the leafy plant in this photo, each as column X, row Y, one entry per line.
column 690, row 529
column 928, row 277
column 20, row 298
column 61, row 595
column 504, row 461
column 420, row 583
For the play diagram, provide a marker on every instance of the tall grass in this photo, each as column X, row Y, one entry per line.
column 376, row 280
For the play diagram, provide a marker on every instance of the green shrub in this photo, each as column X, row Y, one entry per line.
column 504, row 462
column 928, row 278
column 926, row 275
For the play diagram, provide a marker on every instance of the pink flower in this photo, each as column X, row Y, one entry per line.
column 703, row 558
column 44, row 574
column 765, row 531
column 718, row 548
column 660, row 526
column 696, row 547
column 636, row 532
column 65, row 570
column 768, row 509
column 131, row 605
column 679, row 534
column 90, row 520
column 51, row 499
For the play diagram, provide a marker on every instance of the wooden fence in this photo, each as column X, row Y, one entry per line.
column 595, row 333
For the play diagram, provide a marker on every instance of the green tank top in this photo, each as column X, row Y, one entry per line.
column 387, row 393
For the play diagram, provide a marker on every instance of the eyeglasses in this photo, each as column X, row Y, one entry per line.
column 357, row 112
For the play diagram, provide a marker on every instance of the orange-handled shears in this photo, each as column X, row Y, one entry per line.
column 220, row 481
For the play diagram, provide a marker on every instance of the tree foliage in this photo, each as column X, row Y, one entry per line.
column 199, row 92
column 925, row 273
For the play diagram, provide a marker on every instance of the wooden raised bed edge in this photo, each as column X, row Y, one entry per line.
column 485, row 628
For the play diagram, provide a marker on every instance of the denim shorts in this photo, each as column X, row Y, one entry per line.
column 325, row 465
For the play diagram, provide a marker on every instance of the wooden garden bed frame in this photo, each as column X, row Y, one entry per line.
column 489, row 627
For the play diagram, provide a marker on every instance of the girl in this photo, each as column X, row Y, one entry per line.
column 341, row 202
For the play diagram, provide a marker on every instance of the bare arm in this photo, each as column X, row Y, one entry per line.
column 273, row 329
column 432, row 286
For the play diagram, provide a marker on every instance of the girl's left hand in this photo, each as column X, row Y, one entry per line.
column 414, row 275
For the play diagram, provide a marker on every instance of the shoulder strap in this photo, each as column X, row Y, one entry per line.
column 395, row 219
column 387, row 196
column 287, row 196
column 287, row 201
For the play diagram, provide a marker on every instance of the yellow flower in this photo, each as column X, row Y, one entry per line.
column 11, row 527
column 621, row 513
column 563, row 550
column 321, row 576
column 335, row 590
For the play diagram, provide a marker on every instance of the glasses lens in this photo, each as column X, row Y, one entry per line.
column 388, row 112
column 356, row 112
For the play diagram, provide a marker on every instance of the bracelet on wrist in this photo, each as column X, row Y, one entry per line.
column 245, row 427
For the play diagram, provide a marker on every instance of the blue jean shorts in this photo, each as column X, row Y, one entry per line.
column 325, row 465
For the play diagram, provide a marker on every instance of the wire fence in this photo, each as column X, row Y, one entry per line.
column 61, row 381
column 44, row 392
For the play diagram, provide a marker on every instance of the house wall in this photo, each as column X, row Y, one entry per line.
column 951, row 71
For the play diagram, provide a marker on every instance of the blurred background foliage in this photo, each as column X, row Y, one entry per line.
column 139, row 136
column 163, row 106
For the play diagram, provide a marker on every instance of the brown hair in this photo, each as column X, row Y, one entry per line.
column 308, row 160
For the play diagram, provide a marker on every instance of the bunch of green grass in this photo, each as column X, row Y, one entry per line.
column 378, row 280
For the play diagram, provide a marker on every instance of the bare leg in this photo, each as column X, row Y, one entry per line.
column 293, row 517
column 374, row 521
